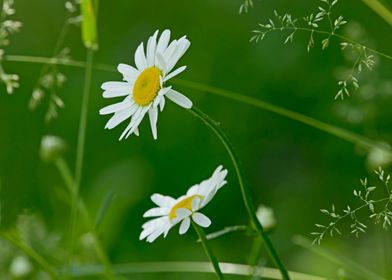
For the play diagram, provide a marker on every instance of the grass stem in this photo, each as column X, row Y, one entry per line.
column 208, row 250
column 244, row 189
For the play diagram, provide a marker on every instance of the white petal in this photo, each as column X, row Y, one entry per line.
column 155, row 235
column 121, row 116
column 201, row 219
column 179, row 99
column 156, row 212
column 151, row 47
column 195, row 204
column 162, row 103
column 162, row 200
column 185, row 226
column 140, row 58
column 135, row 121
column 163, row 41
column 129, row 73
column 115, row 86
column 174, row 73
column 153, row 114
column 182, row 46
column 155, row 223
column 116, row 107
column 115, row 89
column 183, row 213
column 170, row 50
column 161, row 62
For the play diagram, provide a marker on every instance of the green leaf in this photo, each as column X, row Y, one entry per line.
column 103, row 209
column 89, row 25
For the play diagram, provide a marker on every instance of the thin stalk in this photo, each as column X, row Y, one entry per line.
column 66, row 175
column 83, row 119
column 380, row 9
column 328, row 128
column 255, row 251
column 83, row 271
column 80, row 146
column 330, row 34
column 356, row 269
column 208, row 250
column 244, row 189
column 1, row 9
column 254, row 255
column 31, row 253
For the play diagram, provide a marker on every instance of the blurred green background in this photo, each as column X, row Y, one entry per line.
column 290, row 167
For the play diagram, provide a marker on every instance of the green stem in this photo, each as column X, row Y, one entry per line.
column 83, row 119
column 208, row 250
column 328, row 33
column 66, row 174
column 80, row 148
column 330, row 129
column 1, row 10
column 31, row 253
column 333, row 130
column 359, row 270
column 84, row 271
column 244, row 189
column 254, row 255
column 380, row 9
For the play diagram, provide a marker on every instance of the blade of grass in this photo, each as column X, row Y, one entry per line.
column 245, row 191
column 89, row 25
column 328, row 128
column 107, row 201
column 356, row 269
column 380, row 10
column 66, row 175
column 190, row 267
column 14, row 240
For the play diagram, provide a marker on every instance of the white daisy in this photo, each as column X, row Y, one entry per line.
column 172, row 211
column 144, row 86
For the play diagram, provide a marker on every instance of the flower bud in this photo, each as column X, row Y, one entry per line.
column 51, row 147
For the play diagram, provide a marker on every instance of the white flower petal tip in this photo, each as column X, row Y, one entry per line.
column 171, row 212
column 154, row 62
column 201, row 219
column 184, row 226
column 179, row 99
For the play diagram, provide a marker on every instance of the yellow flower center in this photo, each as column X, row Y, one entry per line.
column 185, row 203
column 147, row 86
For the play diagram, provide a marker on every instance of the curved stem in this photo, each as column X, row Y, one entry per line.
column 208, row 250
column 66, row 175
column 189, row 267
column 349, row 136
column 328, row 128
column 359, row 270
column 80, row 148
column 244, row 189
column 31, row 253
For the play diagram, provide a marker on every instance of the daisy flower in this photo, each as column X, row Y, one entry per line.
column 172, row 211
column 144, row 87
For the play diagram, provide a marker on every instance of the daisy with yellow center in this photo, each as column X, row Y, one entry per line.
column 144, row 87
column 172, row 211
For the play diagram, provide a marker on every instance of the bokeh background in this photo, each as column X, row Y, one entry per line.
column 290, row 167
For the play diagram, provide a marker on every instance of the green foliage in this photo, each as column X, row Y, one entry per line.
column 378, row 210
column 324, row 24
column 89, row 25
column 8, row 26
